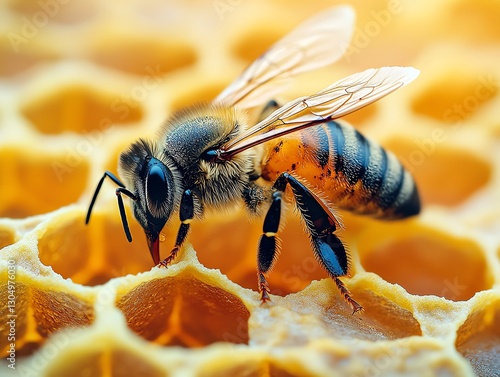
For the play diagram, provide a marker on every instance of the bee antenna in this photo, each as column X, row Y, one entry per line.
column 120, row 190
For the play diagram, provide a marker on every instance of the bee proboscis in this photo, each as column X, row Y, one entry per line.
column 207, row 157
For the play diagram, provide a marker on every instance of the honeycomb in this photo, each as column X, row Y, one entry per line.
column 81, row 80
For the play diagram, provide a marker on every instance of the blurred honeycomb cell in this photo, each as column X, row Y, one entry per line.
column 80, row 109
column 7, row 236
column 455, row 95
column 42, row 13
column 14, row 62
column 478, row 16
column 203, row 93
column 80, row 81
column 23, row 177
column 59, row 251
column 421, row 254
column 460, row 172
column 363, row 116
column 295, row 268
column 142, row 56
column 250, row 46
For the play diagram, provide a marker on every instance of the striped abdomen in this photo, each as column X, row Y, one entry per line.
column 353, row 172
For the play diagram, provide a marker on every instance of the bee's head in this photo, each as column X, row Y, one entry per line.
column 154, row 186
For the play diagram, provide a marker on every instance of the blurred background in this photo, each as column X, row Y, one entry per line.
column 80, row 80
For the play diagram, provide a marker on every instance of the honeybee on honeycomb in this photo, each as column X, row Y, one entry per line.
column 207, row 157
column 81, row 81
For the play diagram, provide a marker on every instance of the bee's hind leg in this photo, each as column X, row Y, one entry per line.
column 321, row 225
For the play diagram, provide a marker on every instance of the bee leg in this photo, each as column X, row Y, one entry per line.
column 186, row 214
column 269, row 108
column 268, row 245
column 321, row 225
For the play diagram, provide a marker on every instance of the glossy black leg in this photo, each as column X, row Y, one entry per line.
column 268, row 244
column 186, row 214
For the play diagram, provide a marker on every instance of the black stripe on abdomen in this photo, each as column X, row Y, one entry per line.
column 362, row 157
column 377, row 168
column 352, row 152
column 386, row 184
column 316, row 140
column 391, row 183
column 338, row 144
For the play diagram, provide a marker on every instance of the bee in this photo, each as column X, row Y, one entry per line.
column 208, row 158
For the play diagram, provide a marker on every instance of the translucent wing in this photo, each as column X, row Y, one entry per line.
column 319, row 41
column 335, row 101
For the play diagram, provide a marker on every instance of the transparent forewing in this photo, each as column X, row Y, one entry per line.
column 317, row 42
column 335, row 101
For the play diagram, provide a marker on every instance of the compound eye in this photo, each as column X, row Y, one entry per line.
column 156, row 187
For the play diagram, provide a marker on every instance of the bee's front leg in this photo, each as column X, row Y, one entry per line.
column 186, row 214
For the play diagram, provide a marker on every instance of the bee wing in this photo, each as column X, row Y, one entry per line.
column 319, row 41
column 335, row 101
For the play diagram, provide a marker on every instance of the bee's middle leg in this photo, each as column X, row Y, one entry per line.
column 268, row 244
column 255, row 196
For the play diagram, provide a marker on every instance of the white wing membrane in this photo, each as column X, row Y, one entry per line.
column 335, row 101
column 317, row 42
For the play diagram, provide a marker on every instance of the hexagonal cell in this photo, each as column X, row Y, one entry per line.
column 455, row 96
column 144, row 56
column 58, row 249
column 320, row 311
column 360, row 117
column 460, row 173
column 90, row 362
column 21, row 307
column 255, row 364
column 7, row 236
column 248, row 365
column 42, row 13
column 34, row 182
column 229, row 243
column 479, row 16
column 16, row 58
column 425, row 261
column 122, row 363
column 382, row 318
column 204, row 92
column 478, row 339
column 101, row 253
column 183, row 310
column 41, row 311
column 54, row 310
column 256, row 41
column 79, row 108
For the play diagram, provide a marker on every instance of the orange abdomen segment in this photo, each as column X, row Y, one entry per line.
column 352, row 172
